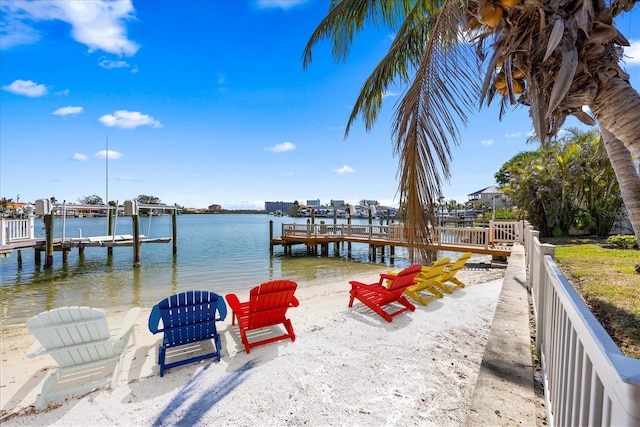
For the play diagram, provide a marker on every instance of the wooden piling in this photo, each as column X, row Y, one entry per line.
column 109, row 227
column 136, row 241
column 48, row 221
column 271, row 238
column 19, row 259
column 174, row 229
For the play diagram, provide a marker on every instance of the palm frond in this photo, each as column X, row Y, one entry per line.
column 346, row 18
column 426, row 121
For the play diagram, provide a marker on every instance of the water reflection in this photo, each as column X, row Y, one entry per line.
column 220, row 253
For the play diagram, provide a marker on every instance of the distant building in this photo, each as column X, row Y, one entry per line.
column 283, row 207
column 313, row 202
column 490, row 196
column 214, row 208
column 337, row 203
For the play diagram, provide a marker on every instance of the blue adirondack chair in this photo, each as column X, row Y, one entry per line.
column 188, row 318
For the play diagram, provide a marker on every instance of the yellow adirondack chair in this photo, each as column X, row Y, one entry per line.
column 450, row 271
column 428, row 281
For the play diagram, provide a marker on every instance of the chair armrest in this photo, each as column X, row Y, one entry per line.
column 295, row 302
column 355, row 285
column 127, row 324
column 35, row 350
column 234, row 303
column 222, row 309
column 154, row 320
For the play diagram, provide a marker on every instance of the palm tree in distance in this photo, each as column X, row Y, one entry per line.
column 551, row 56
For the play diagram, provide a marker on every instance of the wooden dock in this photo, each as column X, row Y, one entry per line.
column 18, row 234
column 495, row 240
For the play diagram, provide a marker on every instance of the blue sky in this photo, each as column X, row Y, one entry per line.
column 207, row 102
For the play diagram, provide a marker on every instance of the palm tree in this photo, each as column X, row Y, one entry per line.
column 552, row 57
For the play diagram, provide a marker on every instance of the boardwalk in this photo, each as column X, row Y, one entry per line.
column 495, row 240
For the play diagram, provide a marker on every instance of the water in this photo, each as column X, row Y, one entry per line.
column 219, row 253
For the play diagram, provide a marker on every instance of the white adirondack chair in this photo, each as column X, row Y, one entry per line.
column 87, row 351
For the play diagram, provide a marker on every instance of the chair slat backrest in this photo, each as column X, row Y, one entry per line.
column 451, row 271
column 268, row 303
column 62, row 331
column 405, row 278
column 399, row 283
column 190, row 316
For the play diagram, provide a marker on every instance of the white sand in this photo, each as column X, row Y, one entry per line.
column 348, row 366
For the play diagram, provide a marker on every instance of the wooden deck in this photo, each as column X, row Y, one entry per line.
column 80, row 243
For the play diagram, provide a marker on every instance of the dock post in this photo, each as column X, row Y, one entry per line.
column 271, row 238
column 136, row 241
column 48, row 221
column 109, row 227
column 19, row 259
column 349, row 233
column 37, row 257
column 174, row 228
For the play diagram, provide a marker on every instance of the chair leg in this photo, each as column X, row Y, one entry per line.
column 161, row 355
column 289, row 327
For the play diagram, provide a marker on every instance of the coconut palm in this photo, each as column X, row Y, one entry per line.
column 549, row 56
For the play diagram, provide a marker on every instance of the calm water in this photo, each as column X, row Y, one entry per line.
column 220, row 253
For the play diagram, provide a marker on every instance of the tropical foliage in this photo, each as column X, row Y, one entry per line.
column 565, row 185
column 91, row 200
column 551, row 57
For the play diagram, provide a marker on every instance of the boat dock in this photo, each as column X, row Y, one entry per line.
column 496, row 239
column 18, row 234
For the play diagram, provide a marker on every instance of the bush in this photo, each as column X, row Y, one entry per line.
column 622, row 241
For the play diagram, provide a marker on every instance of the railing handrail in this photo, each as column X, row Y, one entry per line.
column 588, row 380
column 12, row 230
column 481, row 237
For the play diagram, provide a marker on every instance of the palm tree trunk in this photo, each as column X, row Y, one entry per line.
column 628, row 178
column 617, row 108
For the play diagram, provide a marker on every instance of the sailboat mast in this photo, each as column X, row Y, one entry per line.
column 106, row 156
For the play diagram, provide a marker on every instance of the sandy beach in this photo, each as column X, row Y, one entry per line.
column 347, row 366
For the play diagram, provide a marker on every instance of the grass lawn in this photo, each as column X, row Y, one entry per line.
column 607, row 281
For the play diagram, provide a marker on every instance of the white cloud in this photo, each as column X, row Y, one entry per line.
column 109, row 64
column 68, row 111
column 281, row 148
column 96, row 24
column 345, row 169
column 281, row 4
column 64, row 92
column 513, row 135
column 632, row 53
column 26, row 88
column 112, row 154
column 80, row 157
column 487, row 142
column 388, row 93
column 128, row 120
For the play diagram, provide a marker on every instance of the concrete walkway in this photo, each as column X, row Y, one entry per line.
column 504, row 392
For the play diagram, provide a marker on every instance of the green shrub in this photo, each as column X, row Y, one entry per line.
column 622, row 241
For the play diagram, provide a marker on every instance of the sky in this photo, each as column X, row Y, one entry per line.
column 202, row 102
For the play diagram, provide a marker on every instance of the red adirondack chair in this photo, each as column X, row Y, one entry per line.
column 267, row 306
column 377, row 295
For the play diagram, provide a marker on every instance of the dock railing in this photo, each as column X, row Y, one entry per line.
column 587, row 379
column 498, row 232
column 12, row 230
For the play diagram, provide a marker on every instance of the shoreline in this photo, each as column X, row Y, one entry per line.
column 336, row 349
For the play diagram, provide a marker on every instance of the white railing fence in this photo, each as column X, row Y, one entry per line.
column 12, row 230
column 498, row 232
column 588, row 381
